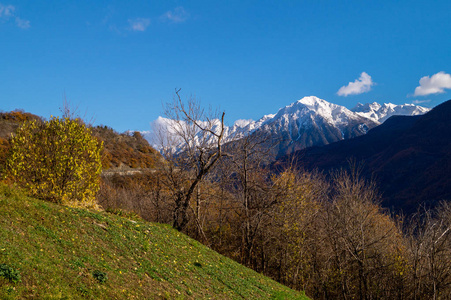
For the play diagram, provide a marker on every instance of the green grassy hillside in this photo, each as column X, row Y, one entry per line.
column 49, row 251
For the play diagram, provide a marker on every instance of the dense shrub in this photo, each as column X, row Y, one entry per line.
column 9, row 273
column 100, row 276
column 58, row 160
column 143, row 193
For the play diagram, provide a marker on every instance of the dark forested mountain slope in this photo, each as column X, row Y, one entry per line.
column 409, row 157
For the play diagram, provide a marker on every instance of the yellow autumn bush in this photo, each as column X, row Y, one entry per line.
column 57, row 160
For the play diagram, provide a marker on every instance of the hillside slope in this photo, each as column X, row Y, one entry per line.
column 66, row 253
column 126, row 150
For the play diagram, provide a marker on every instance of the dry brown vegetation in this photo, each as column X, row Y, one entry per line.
column 9, row 122
column 332, row 240
column 125, row 150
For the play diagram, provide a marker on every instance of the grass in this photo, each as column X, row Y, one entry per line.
column 57, row 252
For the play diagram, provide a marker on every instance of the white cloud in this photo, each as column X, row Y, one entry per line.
column 24, row 24
column 436, row 84
column 178, row 15
column 139, row 24
column 6, row 11
column 359, row 86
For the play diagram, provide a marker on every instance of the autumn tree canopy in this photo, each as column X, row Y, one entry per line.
column 58, row 160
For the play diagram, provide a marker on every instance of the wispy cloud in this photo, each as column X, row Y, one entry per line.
column 177, row 15
column 420, row 101
column 139, row 24
column 359, row 86
column 436, row 84
column 7, row 13
column 21, row 23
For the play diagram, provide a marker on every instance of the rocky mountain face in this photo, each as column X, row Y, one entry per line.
column 312, row 121
column 308, row 122
column 408, row 156
column 381, row 112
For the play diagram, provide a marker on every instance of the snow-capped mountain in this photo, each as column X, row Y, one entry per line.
column 163, row 129
column 308, row 122
column 409, row 156
column 241, row 128
column 380, row 113
column 312, row 121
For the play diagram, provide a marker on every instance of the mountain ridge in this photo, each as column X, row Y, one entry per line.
column 307, row 122
column 381, row 112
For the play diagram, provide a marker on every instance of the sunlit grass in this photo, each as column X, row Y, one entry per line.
column 68, row 253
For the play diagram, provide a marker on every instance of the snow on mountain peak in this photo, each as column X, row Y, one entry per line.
column 314, row 107
column 308, row 121
column 312, row 101
column 366, row 107
column 242, row 122
column 379, row 113
column 304, row 105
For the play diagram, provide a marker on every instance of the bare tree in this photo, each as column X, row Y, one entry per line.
column 429, row 236
column 365, row 244
column 192, row 145
column 251, row 188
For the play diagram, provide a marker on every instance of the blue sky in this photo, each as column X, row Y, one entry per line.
column 119, row 61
